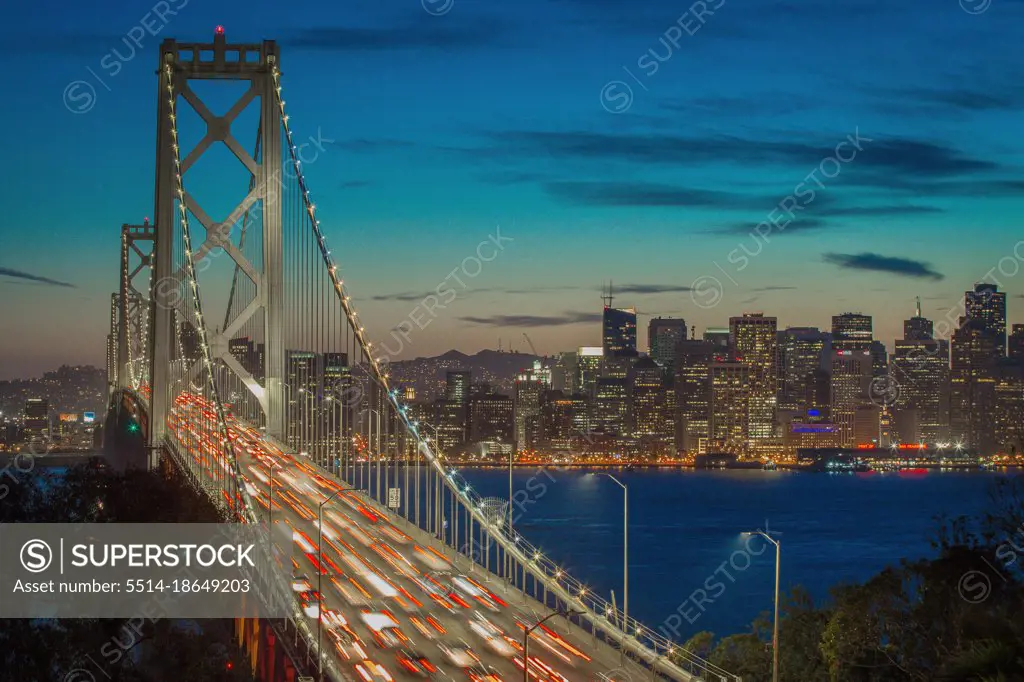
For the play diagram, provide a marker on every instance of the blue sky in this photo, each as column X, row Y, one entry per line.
column 444, row 126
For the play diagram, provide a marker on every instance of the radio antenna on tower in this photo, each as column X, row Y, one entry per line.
column 607, row 298
column 918, row 306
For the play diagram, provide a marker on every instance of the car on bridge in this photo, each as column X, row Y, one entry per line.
column 416, row 663
column 371, row 671
column 460, row 655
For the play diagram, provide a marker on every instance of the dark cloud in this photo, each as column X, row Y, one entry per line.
column 765, row 104
column 510, row 177
column 403, row 296
column 650, row 288
column 649, row 194
column 431, row 35
column 569, row 317
column 534, row 290
column 995, row 187
column 970, row 99
column 29, row 277
column 798, row 224
column 900, row 157
column 775, row 288
column 874, row 262
column 878, row 211
column 365, row 145
column 919, row 158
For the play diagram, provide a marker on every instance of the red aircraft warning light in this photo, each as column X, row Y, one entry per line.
column 219, row 30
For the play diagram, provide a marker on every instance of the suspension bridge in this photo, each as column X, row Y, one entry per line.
column 237, row 347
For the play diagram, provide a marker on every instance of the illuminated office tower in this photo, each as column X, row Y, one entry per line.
column 851, row 331
column 589, row 367
column 977, row 350
column 1015, row 344
column 851, row 378
column 618, row 328
column 1009, row 417
column 987, row 304
column 564, row 424
column 920, row 376
column 302, row 396
column 530, row 385
column 754, row 340
column 491, row 418
column 974, row 358
column 729, row 406
column 718, row 336
column 647, row 402
column 800, row 354
column 918, row 327
column 663, row 333
column 610, row 410
column 693, row 394
column 37, row 420
column 564, row 372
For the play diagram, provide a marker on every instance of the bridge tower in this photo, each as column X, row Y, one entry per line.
column 133, row 306
column 220, row 61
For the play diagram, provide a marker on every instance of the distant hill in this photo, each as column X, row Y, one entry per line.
column 427, row 375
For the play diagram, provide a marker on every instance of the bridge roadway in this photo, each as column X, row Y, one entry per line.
column 388, row 591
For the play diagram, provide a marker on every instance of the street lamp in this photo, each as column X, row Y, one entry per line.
column 270, row 506
column 529, row 631
column 319, row 580
column 775, row 626
column 625, row 549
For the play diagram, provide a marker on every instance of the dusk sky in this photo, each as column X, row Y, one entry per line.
column 603, row 150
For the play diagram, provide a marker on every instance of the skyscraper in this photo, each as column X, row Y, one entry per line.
column 879, row 359
column 977, row 349
column 663, row 333
column 454, row 423
column 529, row 386
column 851, row 377
column 647, row 406
column 1009, row 418
column 1015, row 344
column 851, row 331
column 563, row 420
column 457, row 386
column 717, row 336
column 491, row 418
column 918, row 328
column 754, row 340
column 975, row 354
column 589, row 366
column 37, row 420
column 920, row 373
column 729, row 406
column 800, row 354
column 693, row 393
column 988, row 304
column 611, row 406
column 302, row 397
column 619, row 325
column 565, row 372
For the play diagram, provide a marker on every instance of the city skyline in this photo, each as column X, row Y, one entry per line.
column 659, row 197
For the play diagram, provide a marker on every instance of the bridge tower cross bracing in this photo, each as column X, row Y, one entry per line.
column 133, row 304
column 252, row 63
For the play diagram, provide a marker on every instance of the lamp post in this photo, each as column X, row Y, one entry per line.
column 775, row 626
column 625, row 550
column 369, row 443
column 319, row 581
column 529, row 631
column 270, row 506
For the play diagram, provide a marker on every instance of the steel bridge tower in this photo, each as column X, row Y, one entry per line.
column 252, row 63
